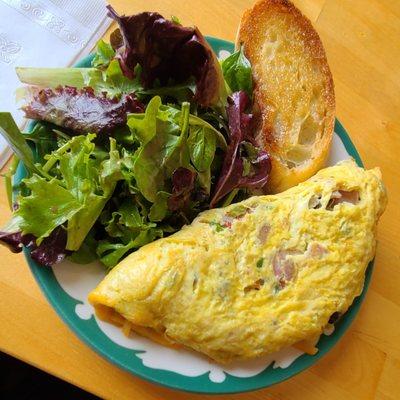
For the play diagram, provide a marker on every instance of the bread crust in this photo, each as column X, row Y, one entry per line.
column 277, row 38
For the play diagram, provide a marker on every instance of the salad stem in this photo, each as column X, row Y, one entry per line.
column 8, row 180
column 184, row 123
column 113, row 144
column 230, row 197
column 61, row 134
column 53, row 158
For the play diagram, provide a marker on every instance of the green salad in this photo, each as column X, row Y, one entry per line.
column 132, row 148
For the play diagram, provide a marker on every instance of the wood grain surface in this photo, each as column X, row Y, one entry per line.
column 362, row 39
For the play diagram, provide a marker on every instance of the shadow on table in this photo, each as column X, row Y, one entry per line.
column 24, row 382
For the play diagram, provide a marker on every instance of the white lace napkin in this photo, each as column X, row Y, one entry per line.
column 44, row 33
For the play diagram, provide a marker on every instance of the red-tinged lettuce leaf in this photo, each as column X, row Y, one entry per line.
column 167, row 51
column 80, row 110
column 261, row 167
column 233, row 173
column 50, row 251
column 13, row 240
column 182, row 187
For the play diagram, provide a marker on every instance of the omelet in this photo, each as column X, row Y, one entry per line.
column 257, row 276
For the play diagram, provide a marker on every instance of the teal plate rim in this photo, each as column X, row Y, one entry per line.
column 89, row 332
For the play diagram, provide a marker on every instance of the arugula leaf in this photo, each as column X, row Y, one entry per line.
column 127, row 222
column 221, row 142
column 237, row 72
column 10, row 131
column 111, row 253
column 128, row 229
column 104, row 54
column 202, row 146
column 180, row 156
column 130, row 216
column 150, row 164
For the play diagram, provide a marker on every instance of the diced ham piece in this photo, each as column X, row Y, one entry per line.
column 227, row 221
column 316, row 250
column 263, row 233
column 254, row 286
column 284, row 269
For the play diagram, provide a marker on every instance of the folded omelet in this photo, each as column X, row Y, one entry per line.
column 254, row 277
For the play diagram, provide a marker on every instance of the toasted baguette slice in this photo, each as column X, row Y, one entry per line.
column 294, row 94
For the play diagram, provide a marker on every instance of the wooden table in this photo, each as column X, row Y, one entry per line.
column 362, row 39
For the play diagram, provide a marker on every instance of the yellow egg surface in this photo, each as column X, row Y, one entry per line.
column 254, row 277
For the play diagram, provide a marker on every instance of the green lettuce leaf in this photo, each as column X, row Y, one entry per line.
column 87, row 252
column 90, row 182
column 171, row 138
column 115, row 82
column 77, row 187
column 159, row 209
column 126, row 222
column 159, row 133
column 53, row 77
column 180, row 92
column 205, row 180
column 128, row 228
column 48, row 206
column 111, row 80
column 104, row 54
column 145, row 126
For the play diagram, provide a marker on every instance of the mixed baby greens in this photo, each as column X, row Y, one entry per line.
column 133, row 148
